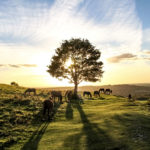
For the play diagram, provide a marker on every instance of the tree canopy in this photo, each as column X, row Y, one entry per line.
column 85, row 64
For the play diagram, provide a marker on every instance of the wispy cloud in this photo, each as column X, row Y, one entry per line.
column 48, row 26
column 145, row 52
column 28, row 65
column 1, row 65
column 14, row 66
column 18, row 65
column 146, row 58
column 126, row 56
column 27, row 28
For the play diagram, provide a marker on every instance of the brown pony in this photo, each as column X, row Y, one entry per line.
column 87, row 93
column 48, row 106
column 96, row 93
column 56, row 94
column 108, row 91
column 68, row 95
column 30, row 90
column 101, row 90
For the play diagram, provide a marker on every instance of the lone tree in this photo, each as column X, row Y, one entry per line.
column 76, row 60
column 14, row 83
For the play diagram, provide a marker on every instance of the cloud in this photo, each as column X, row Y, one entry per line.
column 103, row 23
column 2, row 65
column 18, row 65
column 126, row 56
column 145, row 52
column 14, row 66
column 146, row 58
column 144, row 55
column 28, row 65
column 112, row 26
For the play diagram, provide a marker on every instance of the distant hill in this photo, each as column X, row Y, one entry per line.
column 118, row 90
column 122, row 89
column 10, row 89
column 143, row 84
column 138, row 90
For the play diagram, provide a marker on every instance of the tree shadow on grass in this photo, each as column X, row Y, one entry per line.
column 34, row 140
column 69, row 111
column 90, row 98
column 136, row 128
column 73, row 142
column 95, row 137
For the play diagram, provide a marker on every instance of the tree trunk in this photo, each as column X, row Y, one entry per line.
column 76, row 90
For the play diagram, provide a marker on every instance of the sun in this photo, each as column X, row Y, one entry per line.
column 68, row 63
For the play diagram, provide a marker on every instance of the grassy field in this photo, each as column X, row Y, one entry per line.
column 106, row 123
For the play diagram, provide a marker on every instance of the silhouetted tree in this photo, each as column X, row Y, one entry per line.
column 85, row 64
column 14, row 84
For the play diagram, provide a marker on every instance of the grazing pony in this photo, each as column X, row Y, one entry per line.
column 108, row 91
column 48, row 106
column 68, row 95
column 96, row 93
column 30, row 90
column 101, row 90
column 56, row 94
column 129, row 97
column 87, row 93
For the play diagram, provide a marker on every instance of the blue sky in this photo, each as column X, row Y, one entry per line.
column 143, row 10
column 31, row 30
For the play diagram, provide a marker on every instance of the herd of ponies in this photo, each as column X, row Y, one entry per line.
column 48, row 104
column 69, row 93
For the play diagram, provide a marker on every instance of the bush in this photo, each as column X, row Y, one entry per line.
column 14, row 84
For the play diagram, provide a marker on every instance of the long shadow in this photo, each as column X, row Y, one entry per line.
column 135, row 127
column 96, row 138
column 32, row 143
column 69, row 111
column 34, row 140
column 73, row 142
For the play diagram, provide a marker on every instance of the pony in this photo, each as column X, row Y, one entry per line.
column 96, row 93
column 56, row 94
column 87, row 93
column 101, row 90
column 30, row 90
column 68, row 95
column 108, row 91
column 129, row 97
column 48, row 106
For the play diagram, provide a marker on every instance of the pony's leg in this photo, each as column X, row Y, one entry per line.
column 48, row 113
column 60, row 99
column 44, row 111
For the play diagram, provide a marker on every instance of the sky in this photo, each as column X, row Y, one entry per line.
column 31, row 30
